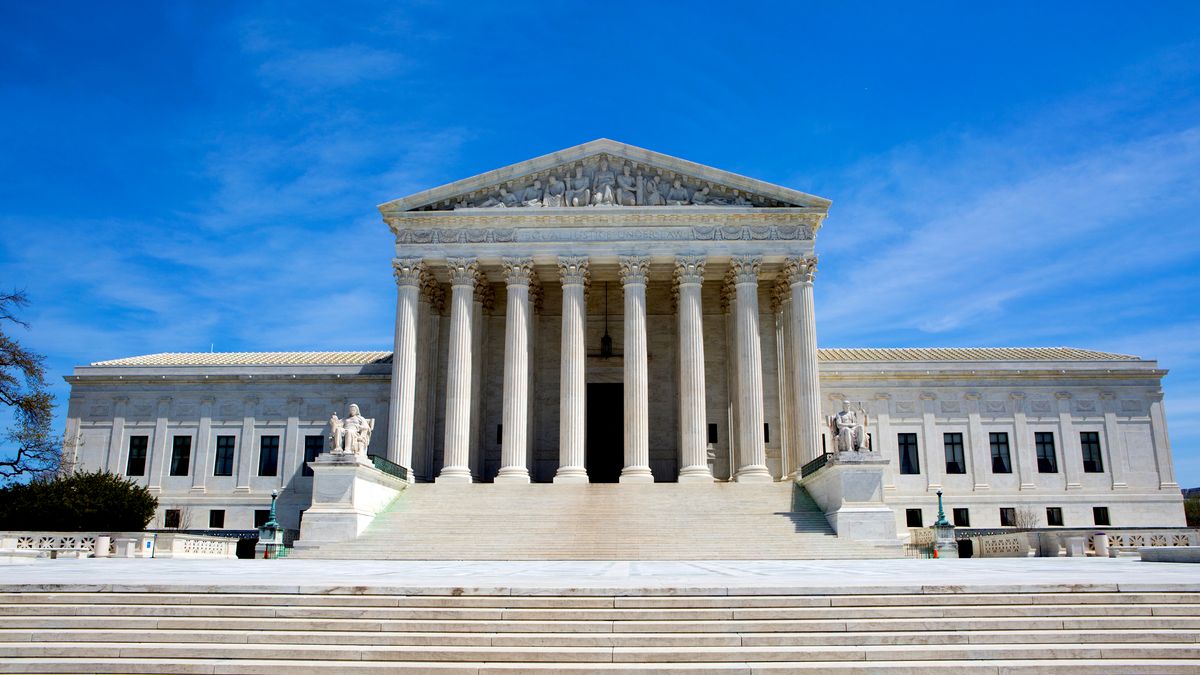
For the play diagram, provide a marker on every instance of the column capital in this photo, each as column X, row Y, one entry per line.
column 485, row 295
column 408, row 271
column 800, row 269
column 518, row 271
column 574, row 270
column 781, row 293
column 633, row 269
column 689, row 269
column 744, row 268
column 463, row 271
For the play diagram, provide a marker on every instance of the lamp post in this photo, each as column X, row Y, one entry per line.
column 270, row 534
column 943, row 534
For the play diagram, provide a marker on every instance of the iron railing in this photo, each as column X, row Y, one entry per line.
column 814, row 465
column 390, row 468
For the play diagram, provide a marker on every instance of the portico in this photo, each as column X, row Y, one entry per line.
column 682, row 254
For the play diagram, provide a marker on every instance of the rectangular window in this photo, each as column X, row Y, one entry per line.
column 955, row 463
column 314, row 445
column 913, row 517
column 1089, row 441
column 1001, row 460
column 1054, row 516
column 136, row 466
column 712, row 433
column 268, row 456
column 181, row 455
column 1008, row 517
column 909, row 462
column 224, row 463
column 171, row 519
column 216, row 519
column 499, row 434
column 1047, row 461
column 1100, row 515
column 261, row 516
column 766, row 433
column 962, row 517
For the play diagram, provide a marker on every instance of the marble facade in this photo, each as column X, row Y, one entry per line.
column 505, row 285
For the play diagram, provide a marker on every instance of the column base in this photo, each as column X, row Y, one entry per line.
column 454, row 474
column 636, row 474
column 695, row 474
column 513, row 474
column 756, row 473
column 571, row 474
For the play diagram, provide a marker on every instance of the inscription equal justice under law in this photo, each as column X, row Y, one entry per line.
column 604, row 181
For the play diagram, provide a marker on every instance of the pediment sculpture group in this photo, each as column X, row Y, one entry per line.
column 606, row 185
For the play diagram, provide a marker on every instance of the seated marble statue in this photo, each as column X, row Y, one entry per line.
column 849, row 429
column 626, row 188
column 351, row 435
column 502, row 200
column 579, row 191
column 700, row 197
column 533, row 194
column 555, row 191
column 678, row 196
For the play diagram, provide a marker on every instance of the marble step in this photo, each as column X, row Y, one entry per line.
column 211, row 666
column 601, row 602
column 495, row 639
column 668, row 654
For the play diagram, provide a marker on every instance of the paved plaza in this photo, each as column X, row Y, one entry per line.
column 608, row 577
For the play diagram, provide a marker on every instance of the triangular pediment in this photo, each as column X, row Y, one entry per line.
column 605, row 174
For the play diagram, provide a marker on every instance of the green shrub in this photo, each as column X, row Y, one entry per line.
column 1191, row 509
column 80, row 502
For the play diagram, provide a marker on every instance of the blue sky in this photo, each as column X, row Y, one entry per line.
column 173, row 176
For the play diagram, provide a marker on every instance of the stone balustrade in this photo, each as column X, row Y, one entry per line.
column 117, row 544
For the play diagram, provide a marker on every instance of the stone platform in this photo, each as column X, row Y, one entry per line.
column 728, row 617
column 908, row 575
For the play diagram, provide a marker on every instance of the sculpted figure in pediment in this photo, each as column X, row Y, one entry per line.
column 555, row 191
column 700, row 197
column 648, row 194
column 603, row 185
column 505, row 199
column 579, row 191
column 533, row 194
column 626, row 188
column 678, row 196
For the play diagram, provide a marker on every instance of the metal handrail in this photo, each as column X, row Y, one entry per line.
column 814, row 465
column 388, row 467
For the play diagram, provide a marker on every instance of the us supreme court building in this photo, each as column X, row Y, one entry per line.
column 607, row 313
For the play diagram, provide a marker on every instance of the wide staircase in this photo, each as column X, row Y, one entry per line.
column 43, row 631
column 664, row 521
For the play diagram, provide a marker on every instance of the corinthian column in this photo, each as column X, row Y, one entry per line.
column 637, row 410
column 689, row 273
column 574, row 273
column 807, row 379
column 403, row 401
column 752, row 450
column 463, row 275
column 514, row 446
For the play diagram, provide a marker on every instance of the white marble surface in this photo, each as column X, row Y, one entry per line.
column 620, row 578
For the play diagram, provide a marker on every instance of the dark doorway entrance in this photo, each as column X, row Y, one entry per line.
column 605, row 446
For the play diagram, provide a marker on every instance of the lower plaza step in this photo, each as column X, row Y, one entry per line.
column 360, row 632
column 663, row 521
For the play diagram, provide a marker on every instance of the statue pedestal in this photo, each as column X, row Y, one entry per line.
column 849, row 489
column 348, row 492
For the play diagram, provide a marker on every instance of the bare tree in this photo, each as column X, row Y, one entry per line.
column 1025, row 518
column 29, row 448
